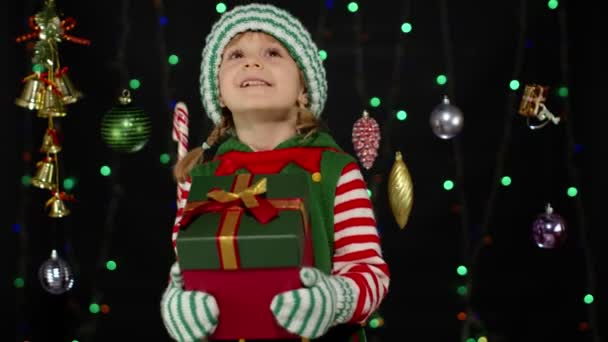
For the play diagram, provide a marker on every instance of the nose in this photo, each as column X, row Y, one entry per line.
column 253, row 63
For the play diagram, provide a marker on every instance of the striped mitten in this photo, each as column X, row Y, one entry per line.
column 187, row 315
column 323, row 302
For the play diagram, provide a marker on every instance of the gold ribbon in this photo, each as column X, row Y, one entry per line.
column 247, row 195
column 227, row 236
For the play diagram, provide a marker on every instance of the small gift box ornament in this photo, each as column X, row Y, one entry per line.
column 532, row 106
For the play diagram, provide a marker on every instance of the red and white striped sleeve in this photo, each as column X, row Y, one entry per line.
column 357, row 252
column 183, row 189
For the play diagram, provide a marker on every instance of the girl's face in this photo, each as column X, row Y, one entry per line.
column 257, row 76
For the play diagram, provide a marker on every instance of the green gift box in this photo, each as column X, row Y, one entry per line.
column 246, row 221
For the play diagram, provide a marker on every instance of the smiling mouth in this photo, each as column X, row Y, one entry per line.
column 254, row 83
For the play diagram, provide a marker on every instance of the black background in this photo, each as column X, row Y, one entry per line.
column 520, row 293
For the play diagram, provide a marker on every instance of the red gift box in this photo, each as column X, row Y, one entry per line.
column 244, row 296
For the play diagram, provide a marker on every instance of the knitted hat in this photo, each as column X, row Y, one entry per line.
column 282, row 26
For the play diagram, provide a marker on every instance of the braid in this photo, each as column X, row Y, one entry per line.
column 182, row 169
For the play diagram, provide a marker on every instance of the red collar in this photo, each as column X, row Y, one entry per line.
column 269, row 162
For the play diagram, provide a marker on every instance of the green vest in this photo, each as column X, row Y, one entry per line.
column 333, row 161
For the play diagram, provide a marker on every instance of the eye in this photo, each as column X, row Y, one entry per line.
column 273, row 52
column 235, row 54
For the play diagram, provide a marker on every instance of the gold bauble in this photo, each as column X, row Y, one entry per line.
column 400, row 191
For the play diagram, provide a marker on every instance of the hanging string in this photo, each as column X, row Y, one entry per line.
column 387, row 152
column 575, row 179
column 456, row 141
column 164, row 73
column 498, row 172
column 89, row 327
column 359, row 57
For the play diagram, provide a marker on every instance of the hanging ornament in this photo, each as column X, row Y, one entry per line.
column 549, row 229
column 400, row 191
column 55, row 275
column 125, row 128
column 446, row 119
column 366, row 139
column 532, row 106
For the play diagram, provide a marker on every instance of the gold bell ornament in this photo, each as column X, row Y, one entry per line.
column 58, row 208
column 50, row 142
column 400, row 191
column 31, row 95
column 45, row 174
column 52, row 106
column 69, row 93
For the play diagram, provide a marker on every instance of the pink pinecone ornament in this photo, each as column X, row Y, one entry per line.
column 366, row 140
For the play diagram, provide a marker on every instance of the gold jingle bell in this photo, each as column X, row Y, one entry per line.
column 31, row 95
column 50, row 144
column 58, row 208
column 44, row 174
column 67, row 89
column 51, row 104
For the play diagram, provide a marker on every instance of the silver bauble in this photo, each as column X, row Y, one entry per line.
column 55, row 275
column 446, row 119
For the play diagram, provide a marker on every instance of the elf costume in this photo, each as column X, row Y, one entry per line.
column 349, row 278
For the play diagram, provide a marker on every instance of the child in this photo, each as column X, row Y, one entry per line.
column 263, row 85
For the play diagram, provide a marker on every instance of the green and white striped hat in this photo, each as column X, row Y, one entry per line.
column 282, row 26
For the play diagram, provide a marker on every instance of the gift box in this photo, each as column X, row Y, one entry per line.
column 243, row 240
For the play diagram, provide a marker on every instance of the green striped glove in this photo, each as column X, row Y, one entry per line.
column 323, row 302
column 187, row 315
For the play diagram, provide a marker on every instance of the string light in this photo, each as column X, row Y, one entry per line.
column 353, row 7
column 134, row 84
column 165, row 158
column 552, row 4
column 105, row 170
column 506, row 180
column 406, row 27
column 374, row 102
column 111, row 265
column 220, row 7
column 94, row 308
column 448, row 185
column 173, row 59
column 401, row 115
column 441, row 79
column 69, row 183
column 514, row 84
column 323, row 54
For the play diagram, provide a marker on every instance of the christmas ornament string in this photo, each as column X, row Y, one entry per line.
column 159, row 6
column 88, row 327
column 575, row 179
column 456, row 140
column 498, row 173
column 359, row 69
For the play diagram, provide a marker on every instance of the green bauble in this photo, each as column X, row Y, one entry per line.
column 125, row 128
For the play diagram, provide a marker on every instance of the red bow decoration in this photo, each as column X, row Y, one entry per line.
column 66, row 25
column 59, row 196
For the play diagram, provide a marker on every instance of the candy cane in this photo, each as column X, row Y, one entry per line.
column 180, row 135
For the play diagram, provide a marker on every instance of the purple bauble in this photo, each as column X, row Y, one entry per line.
column 549, row 229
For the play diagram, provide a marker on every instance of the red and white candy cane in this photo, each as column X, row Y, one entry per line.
column 180, row 135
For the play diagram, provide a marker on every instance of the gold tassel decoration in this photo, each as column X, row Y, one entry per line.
column 400, row 191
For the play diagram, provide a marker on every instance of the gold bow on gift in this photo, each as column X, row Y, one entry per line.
column 221, row 200
column 248, row 195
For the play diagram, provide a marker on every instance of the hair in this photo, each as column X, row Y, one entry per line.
column 306, row 125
